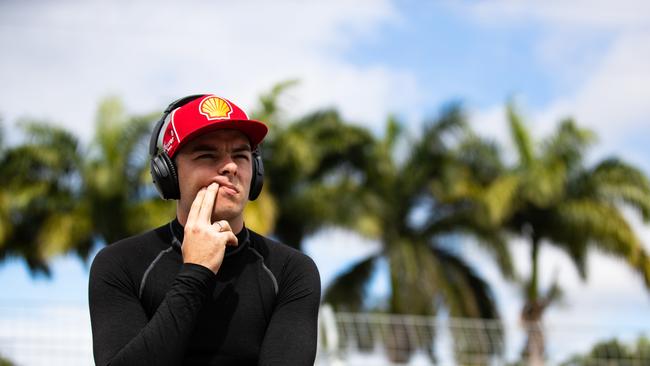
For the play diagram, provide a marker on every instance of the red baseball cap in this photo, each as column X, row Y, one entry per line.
column 208, row 112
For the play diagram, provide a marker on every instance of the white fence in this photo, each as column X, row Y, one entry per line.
column 39, row 334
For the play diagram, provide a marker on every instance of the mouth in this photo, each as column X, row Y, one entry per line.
column 229, row 190
column 227, row 187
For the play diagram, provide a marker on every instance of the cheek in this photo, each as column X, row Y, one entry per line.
column 246, row 175
column 190, row 181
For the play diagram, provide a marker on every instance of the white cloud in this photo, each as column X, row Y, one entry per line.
column 61, row 58
column 584, row 13
column 596, row 54
column 614, row 101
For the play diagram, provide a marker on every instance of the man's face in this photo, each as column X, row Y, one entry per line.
column 221, row 156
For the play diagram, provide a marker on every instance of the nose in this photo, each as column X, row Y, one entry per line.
column 228, row 167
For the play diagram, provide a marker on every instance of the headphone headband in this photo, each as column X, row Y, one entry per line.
column 155, row 136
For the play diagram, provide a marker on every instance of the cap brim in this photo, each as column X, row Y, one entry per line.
column 254, row 130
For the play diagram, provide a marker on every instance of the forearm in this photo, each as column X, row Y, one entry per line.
column 122, row 335
column 292, row 334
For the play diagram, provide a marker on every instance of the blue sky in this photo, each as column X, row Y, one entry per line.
column 366, row 58
column 456, row 58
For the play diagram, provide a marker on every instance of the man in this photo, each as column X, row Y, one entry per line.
column 203, row 289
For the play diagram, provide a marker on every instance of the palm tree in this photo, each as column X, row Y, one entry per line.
column 308, row 166
column 551, row 197
column 117, row 197
column 61, row 197
column 39, row 184
column 409, row 205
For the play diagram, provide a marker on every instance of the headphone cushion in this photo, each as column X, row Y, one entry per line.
column 257, row 181
column 165, row 177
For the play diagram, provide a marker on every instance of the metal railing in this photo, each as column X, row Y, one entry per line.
column 45, row 334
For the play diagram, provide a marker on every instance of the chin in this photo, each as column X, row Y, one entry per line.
column 226, row 213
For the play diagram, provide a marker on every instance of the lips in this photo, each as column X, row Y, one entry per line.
column 227, row 187
column 230, row 190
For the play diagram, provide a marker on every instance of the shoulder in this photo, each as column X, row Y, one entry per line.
column 129, row 254
column 276, row 252
column 284, row 261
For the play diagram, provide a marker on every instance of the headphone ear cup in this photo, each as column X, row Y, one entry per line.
column 165, row 178
column 258, row 177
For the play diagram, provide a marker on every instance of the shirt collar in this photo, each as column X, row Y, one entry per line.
column 178, row 233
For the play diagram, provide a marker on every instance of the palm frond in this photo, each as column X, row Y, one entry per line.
column 465, row 292
column 616, row 181
column 394, row 130
column 347, row 291
column 481, row 157
column 582, row 221
column 499, row 199
column 62, row 231
column 543, row 185
column 148, row 213
column 496, row 245
column 269, row 104
column 568, row 144
column 521, row 137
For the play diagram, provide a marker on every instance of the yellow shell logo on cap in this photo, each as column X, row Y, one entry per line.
column 215, row 108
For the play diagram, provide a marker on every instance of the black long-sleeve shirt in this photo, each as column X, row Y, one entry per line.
column 148, row 308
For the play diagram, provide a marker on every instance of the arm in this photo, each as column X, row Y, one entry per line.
column 122, row 333
column 292, row 333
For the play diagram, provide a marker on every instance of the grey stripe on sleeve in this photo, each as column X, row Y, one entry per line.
column 267, row 270
column 146, row 273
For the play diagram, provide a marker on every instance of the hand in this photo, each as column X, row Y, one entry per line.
column 204, row 242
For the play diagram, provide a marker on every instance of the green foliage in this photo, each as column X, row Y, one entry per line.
column 576, row 207
column 5, row 362
column 551, row 197
column 310, row 166
column 39, row 186
column 612, row 352
column 412, row 205
column 62, row 197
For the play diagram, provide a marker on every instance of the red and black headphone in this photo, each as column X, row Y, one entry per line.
column 163, row 169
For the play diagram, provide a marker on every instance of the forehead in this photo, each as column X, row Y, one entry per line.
column 217, row 139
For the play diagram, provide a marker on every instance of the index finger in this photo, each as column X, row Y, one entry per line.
column 209, row 200
column 193, row 215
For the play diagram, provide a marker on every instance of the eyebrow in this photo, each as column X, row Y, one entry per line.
column 243, row 147
column 211, row 148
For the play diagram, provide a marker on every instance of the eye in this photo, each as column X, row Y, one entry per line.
column 205, row 156
column 241, row 156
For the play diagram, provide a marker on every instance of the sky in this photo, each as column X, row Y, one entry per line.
column 584, row 59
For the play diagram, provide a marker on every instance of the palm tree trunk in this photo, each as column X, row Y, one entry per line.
column 397, row 342
column 531, row 314
column 534, row 276
column 394, row 298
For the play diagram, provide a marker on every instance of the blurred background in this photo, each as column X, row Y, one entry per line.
column 471, row 177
